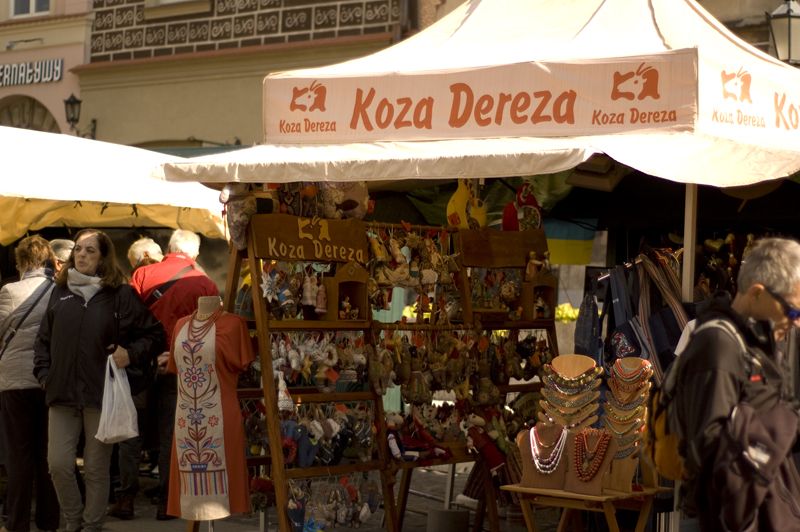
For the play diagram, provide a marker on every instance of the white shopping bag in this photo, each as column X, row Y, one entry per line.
column 118, row 417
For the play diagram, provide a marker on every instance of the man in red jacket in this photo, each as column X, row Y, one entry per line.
column 170, row 290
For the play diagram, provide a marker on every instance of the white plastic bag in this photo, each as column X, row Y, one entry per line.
column 118, row 417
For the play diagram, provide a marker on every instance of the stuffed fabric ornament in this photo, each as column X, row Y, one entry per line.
column 478, row 438
column 344, row 200
column 285, row 402
column 240, row 206
column 524, row 212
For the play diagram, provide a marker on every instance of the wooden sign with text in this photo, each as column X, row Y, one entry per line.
column 292, row 238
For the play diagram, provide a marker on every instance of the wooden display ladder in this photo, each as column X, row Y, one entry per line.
column 491, row 249
column 260, row 230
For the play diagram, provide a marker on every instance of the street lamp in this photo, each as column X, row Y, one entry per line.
column 784, row 27
column 72, row 108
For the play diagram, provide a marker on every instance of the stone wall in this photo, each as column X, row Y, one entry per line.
column 121, row 30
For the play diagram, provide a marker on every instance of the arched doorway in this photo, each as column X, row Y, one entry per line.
column 27, row 113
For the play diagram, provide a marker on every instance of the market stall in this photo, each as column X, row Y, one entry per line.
column 51, row 179
column 500, row 88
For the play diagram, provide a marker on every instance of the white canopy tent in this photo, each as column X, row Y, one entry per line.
column 50, row 179
column 736, row 117
column 519, row 87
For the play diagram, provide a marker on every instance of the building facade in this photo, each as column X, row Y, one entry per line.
column 172, row 73
column 41, row 42
column 189, row 72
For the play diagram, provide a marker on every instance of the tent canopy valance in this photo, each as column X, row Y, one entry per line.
column 51, row 179
column 659, row 85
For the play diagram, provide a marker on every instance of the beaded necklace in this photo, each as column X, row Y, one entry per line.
column 578, row 426
column 623, row 441
column 632, row 384
column 564, row 404
column 587, row 459
column 573, row 382
column 624, row 431
column 625, row 417
column 548, row 381
column 196, row 333
column 624, row 392
column 546, row 465
column 626, row 452
column 567, row 419
column 630, row 405
column 641, row 367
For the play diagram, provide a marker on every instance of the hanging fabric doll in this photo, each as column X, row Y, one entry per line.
column 524, row 212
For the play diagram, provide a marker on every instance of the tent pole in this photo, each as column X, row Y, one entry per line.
column 689, row 242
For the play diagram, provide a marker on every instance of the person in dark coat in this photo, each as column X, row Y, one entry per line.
column 92, row 313
column 730, row 360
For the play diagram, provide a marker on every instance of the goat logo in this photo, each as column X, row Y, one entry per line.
column 637, row 84
column 736, row 85
column 311, row 98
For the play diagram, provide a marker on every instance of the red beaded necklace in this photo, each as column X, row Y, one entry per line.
column 587, row 460
column 198, row 332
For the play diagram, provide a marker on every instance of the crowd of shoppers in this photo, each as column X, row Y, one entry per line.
column 71, row 308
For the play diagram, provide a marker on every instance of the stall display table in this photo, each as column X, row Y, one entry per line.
column 607, row 504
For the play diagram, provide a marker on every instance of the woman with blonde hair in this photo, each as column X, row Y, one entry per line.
column 22, row 406
column 92, row 313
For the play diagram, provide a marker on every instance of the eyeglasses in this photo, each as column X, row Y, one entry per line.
column 793, row 313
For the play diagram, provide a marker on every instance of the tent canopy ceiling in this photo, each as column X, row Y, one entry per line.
column 514, row 87
column 54, row 179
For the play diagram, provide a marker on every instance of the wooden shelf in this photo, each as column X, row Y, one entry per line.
column 380, row 326
column 316, row 325
column 517, row 324
column 335, row 470
column 250, row 393
column 521, row 387
column 259, row 460
column 332, row 397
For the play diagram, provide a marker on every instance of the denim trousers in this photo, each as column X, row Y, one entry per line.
column 66, row 426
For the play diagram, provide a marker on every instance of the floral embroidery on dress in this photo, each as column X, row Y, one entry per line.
column 199, row 438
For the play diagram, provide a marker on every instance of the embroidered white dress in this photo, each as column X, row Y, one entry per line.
column 208, row 475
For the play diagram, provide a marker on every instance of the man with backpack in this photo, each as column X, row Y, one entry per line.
column 735, row 423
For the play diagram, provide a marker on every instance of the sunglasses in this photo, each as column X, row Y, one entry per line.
column 793, row 313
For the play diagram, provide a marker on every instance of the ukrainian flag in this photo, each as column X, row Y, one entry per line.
column 570, row 241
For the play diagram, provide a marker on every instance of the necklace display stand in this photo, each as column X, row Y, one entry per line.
column 629, row 387
column 620, row 477
column 549, row 436
column 595, row 485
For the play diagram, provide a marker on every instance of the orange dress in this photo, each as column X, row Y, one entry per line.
column 208, row 473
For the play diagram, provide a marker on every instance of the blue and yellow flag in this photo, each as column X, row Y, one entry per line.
column 570, row 242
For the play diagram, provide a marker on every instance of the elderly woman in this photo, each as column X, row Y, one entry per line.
column 92, row 313
column 22, row 407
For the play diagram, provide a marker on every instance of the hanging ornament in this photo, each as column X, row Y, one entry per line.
column 524, row 212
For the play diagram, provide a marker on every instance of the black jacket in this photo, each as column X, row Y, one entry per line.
column 72, row 345
column 715, row 376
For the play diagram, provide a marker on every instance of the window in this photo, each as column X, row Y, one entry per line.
column 159, row 9
column 31, row 7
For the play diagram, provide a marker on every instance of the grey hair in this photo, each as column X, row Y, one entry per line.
column 140, row 247
column 183, row 241
column 773, row 262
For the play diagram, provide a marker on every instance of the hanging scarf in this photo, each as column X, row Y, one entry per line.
column 85, row 285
